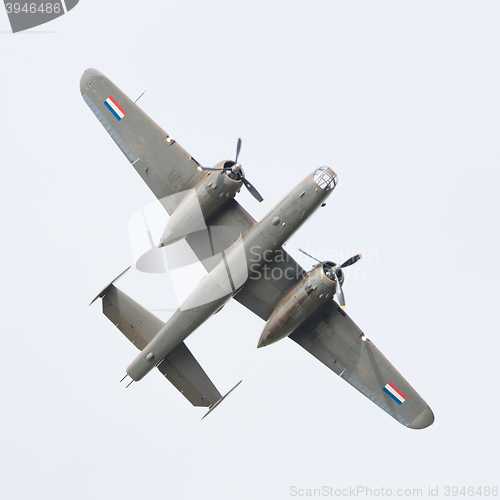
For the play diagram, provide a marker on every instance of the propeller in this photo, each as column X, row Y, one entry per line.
column 238, row 149
column 234, row 166
column 331, row 271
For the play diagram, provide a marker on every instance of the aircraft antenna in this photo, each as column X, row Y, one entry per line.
column 135, row 102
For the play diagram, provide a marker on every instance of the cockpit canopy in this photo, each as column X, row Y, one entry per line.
column 325, row 178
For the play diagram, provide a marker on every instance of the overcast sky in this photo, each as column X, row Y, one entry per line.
column 401, row 99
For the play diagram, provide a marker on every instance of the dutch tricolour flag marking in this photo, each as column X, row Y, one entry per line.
column 115, row 108
column 395, row 393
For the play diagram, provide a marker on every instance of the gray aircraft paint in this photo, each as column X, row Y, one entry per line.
column 298, row 305
column 37, row 12
column 198, row 206
column 276, row 227
column 246, row 249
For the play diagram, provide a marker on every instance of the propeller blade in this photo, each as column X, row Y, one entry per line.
column 310, row 256
column 351, row 261
column 339, row 293
column 238, row 149
column 253, row 191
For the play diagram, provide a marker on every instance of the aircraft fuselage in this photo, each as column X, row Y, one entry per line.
column 237, row 263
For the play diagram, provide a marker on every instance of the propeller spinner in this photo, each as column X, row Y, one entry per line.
column 331, row 270
column 235, row 168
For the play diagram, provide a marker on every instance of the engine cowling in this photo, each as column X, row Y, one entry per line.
column 199, row 204
column 316, row 288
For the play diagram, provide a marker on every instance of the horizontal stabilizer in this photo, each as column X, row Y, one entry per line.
column 186, row 374
column 133, row 320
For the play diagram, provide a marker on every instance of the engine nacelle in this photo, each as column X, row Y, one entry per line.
column 300, row 303
column 199, row 204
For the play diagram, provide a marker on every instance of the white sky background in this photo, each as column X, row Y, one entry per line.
column 400, row 99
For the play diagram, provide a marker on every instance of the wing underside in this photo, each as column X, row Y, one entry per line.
column 335, row 340
column 164, row 166
column 264, row 290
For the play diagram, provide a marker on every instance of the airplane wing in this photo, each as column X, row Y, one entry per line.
column 164, row 166
column 263, row 291
column 334, row 339
column 140, row 326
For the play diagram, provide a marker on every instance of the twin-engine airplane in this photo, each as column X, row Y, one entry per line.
column 244, row 259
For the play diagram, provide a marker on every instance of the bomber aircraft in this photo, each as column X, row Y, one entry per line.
column 244, row 259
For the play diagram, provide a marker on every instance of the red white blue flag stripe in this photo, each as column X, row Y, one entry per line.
column 395, row 393
column 115, row 108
